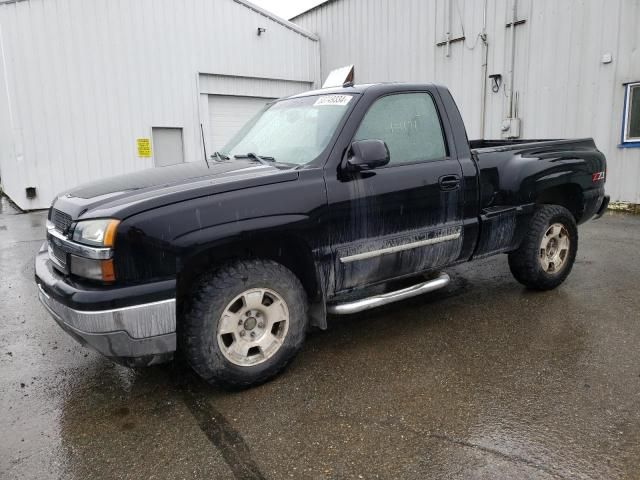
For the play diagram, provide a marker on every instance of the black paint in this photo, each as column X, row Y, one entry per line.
column 176, row 220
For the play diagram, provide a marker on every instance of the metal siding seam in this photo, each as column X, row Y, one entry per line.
column 6, row 80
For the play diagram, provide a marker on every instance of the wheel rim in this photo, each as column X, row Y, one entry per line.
column 253, row 326
column 554, row 248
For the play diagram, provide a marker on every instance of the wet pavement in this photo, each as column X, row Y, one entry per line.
column 481, row 380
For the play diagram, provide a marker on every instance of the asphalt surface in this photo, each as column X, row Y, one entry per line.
column 481, row 380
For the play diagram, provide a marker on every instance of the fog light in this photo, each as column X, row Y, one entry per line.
column 93, row 269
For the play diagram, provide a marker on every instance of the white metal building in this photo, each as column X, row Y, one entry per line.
column 94, row 88
column 575, row 65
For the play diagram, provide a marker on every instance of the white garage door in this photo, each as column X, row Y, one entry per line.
column 227, row 115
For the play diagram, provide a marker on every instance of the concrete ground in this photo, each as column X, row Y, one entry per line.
column 481, row 380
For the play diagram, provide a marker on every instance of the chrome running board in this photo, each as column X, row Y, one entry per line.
column 378, row 300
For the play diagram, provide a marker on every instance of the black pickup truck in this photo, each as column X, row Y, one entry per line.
column 325, row 202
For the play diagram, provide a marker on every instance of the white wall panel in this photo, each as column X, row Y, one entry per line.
column 87, row 77
column 250, row 86
column 563, row 87
column 7, row 146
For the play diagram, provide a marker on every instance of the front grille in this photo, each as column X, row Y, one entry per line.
column 58, row 256
column 61, row 220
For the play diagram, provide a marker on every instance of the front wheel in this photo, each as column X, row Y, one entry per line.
column 244, row 323
column 546, row 256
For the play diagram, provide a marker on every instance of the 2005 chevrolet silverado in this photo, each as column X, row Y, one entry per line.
column 321, row 203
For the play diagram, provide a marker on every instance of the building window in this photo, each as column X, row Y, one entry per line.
column 631, row 119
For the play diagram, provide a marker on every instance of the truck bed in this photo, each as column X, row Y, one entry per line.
column 485, row 145
column 505, row 166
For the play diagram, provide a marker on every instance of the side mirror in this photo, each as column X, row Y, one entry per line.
column 368, row 154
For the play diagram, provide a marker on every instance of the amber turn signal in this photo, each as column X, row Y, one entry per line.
column 110, row 233
column 108, row 274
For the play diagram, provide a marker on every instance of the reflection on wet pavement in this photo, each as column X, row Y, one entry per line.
column 483, row 380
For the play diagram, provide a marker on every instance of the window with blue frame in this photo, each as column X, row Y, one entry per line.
column 631, row 118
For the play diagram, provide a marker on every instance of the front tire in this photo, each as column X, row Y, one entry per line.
column 547, row 253
column 244, row 323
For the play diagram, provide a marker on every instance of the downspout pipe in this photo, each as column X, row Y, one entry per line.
column 514, row 18
column 485, row 63
column 449, row 34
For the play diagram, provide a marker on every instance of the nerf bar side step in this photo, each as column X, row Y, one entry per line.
column 378, row 300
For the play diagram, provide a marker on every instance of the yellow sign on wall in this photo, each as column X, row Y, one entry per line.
column 144, row 147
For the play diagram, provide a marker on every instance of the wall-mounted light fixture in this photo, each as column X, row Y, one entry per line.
column 496, row 82
column 261, row 30
column 30, row 192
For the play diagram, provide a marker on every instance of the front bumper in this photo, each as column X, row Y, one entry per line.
column 136, row 334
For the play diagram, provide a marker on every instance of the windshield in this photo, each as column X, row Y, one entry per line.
column 293, row 131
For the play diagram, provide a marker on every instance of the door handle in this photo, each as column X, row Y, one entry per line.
column 449, row 182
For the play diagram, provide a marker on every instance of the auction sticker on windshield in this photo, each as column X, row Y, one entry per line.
column 339, row 100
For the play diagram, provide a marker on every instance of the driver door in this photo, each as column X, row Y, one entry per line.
column 405, row 217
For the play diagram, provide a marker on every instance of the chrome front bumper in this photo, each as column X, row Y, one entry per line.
column 136, row 335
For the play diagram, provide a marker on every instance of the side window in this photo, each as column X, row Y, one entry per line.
column 409, row 124
column 631, row 126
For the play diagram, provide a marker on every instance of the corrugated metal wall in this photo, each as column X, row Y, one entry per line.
column 564, row 89
column 7, row 148
column 86, row 77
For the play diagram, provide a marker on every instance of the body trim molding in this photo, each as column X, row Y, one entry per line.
column 400, row 248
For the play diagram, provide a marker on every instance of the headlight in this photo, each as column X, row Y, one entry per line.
column 97, row 233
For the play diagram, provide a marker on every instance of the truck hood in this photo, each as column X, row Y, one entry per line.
column 125, row 195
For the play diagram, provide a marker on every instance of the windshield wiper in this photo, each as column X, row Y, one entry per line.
column 258, row 158
column 220, row 156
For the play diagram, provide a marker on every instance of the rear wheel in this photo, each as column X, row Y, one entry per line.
column 546, row 256
column 245, row 322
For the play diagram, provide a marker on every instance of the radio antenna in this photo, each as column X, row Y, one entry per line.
column 204, row 147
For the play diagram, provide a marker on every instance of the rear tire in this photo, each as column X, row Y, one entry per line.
column 244, row 323
column 547, row 253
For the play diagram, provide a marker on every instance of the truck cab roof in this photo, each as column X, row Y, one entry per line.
column 382, row 87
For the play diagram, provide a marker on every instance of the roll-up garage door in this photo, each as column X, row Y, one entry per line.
column 227, row 115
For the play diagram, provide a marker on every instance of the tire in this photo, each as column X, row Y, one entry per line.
column 230, row 304
column 527, row 263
